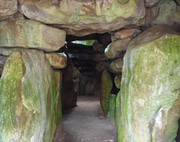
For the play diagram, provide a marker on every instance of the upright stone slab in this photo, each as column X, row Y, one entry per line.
column 150, row 92
column 106, row 87
column 30, row 34
column 28, row 98
column 112, row 108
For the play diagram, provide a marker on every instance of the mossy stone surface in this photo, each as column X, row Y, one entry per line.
column 106, row 87
column 84, row 17
column 150, row 91
column 29, row 90
column 117, row 81
column 30, row 34
column 112, row 108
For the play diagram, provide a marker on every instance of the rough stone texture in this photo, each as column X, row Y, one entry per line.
column 150, row 91
column 116, row 48
column 106, row 87
column 30, row 34
column 57, row 60
column 117, row 81
column 28, row 93
column 84, row 17
column 125, row 33
column 149, row 3
column 151, row 14
column 69, row 96
column 169, row 13
column 117, row 65
column 112, row 108
column 7, row 8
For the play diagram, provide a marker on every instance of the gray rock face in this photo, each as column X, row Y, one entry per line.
column 80, row 18
column 7, row 8
column 150, row 91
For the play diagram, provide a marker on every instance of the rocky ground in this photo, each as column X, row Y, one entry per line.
column 86, row 123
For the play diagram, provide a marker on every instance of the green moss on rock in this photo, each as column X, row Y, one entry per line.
column 117, row 81
column 28, row 110
column 106, row 87
column 150, row 94
column 112, row 108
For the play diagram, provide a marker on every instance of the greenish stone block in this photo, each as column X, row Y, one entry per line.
column 150, row 91
column 117, row 81
column 106, row 87
column 112, row 108
column 28, row 93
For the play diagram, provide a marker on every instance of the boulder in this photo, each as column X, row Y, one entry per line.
column 81, row 18
column 125, row 33
column 29, row 98
column 8, row 8
column 150, row 91
column 57, row 60
column 169, row 13
column 149, row 3
column 30, row 34
column 116, row 65
column 106, row 87
column 117, row 48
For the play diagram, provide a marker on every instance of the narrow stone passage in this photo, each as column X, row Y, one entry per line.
column 86, row 123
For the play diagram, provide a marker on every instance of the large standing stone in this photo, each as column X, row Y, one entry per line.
column 30, row 34
column 150, row 91
column 80, row 17
column 106, row 87
column 28, row 98
column 7, row 8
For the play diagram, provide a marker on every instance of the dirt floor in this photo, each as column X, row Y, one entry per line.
column 86, row 123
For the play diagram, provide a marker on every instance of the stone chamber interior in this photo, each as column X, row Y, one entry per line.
column 90, row 71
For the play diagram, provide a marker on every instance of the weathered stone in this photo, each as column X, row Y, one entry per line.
column 2, row 62
column 169, row 13
column 57, row 60
column 30, row 34
column 28, row 96
column 118, row 109
column 149, row 3
column 117, row 81
column 7, row 8
column 106, row 87
column 117, row 65
column 116, row 48
column 151, row 14
column 125, row 33
column 112, row 108
column 70, row 75
column 84, row 17
column 150, row 91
